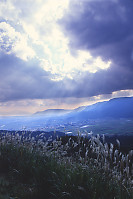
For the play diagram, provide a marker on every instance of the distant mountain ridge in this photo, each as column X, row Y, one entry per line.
column 114, row 108
column 52, row 112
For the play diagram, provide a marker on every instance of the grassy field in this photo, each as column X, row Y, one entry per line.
column 69, row 167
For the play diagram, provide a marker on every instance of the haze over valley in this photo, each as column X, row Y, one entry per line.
column 110, row 117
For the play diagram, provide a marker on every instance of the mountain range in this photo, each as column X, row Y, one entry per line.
column 53, row 112
column 51, row 119
column 114, row 108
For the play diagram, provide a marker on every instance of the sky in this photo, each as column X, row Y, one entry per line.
column 64, row 53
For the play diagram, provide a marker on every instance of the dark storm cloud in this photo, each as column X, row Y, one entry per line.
column 26, row 80
column 104, row 82
column 105, row 29
column 95, row 24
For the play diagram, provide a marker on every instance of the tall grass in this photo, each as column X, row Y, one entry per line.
column 68, row 167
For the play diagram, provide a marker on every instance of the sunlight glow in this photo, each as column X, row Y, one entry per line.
column 31, row 106
column 38, row 35
column 14, row 42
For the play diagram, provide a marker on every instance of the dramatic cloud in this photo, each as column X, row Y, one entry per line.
column 14, row 42
column 33, row 31
column 66, row 51
column 104, row 28
column 25, row 80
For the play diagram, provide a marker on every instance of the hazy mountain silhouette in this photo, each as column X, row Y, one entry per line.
column 53, row 112
column 114, row 108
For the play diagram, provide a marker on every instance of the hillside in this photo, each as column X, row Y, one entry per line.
column 52, row 112
column 114, row 108
column 67, row 167
column 100, row 116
